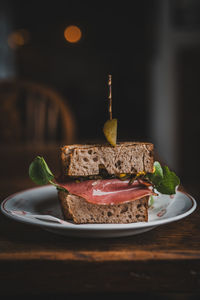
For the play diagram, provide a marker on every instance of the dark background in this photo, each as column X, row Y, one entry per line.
column 116, row 40
column 131, row 41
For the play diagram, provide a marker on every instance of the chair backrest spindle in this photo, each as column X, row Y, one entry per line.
column 41, row 110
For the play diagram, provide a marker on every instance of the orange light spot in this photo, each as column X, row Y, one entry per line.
column 72, row 34
column 18, row 38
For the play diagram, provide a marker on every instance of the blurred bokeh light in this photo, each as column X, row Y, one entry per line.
column 18, row 38
column 72, row 34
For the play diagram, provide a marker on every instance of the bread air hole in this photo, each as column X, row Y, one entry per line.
column 109, row 213
column 101, row 166
column 133, row 169
column 102, row 170
column 90, row 152
column 118, row 164
column 124, row 209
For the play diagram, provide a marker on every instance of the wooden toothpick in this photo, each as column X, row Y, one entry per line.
column 110, row 95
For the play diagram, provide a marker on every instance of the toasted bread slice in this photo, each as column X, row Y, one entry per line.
column 127, row 157
column 81, row 211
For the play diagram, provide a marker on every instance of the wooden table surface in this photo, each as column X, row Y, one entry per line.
column 166, row 259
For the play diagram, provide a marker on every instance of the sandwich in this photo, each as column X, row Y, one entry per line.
column 106, row 184
column 97, row 179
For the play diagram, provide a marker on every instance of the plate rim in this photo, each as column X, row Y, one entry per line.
column 92, row 227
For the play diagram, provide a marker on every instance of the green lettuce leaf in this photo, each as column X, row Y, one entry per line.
column 40, row 173
column 151, row 201
column 164, row 180
column 168, row 183
column 157, row 176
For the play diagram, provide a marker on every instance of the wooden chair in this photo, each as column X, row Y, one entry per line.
column 31, row 112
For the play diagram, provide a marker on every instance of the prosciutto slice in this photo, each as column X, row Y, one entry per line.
column 109, row 191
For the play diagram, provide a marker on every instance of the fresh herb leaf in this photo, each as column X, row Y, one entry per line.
column 164, row 180
column 157, row 176
column 151, row 201
column 169, row 182
column 158, row 169
column 39, row 171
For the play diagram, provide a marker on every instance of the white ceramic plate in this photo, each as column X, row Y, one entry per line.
column 40, row 206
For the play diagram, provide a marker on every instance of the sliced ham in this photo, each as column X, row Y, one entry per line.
column 109, row 191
